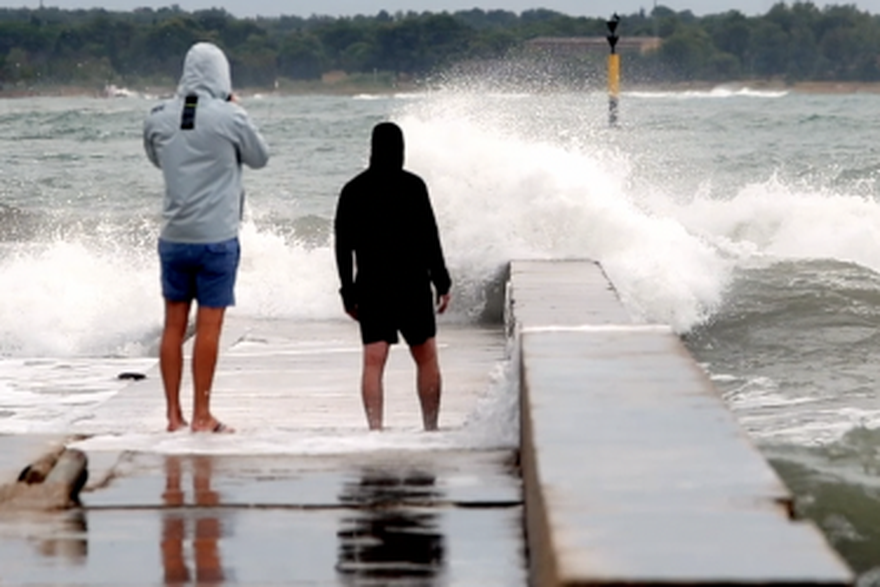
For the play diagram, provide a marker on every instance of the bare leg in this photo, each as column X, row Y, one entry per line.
column 428, row 381
column 375, row 356
column 209, row 322
column 171, row 359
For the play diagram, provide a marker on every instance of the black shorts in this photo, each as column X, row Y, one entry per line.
column 382, row 317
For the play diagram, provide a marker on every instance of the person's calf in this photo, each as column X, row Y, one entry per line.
column 372, row 393
column 430, row 403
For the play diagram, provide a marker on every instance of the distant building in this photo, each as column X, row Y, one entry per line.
column 573, row 46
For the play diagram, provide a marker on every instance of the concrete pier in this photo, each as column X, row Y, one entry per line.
column 302, row 493
column 628, row 468
column 634, row 470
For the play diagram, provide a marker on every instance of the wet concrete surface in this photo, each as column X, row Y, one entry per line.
column 635, row 471
column 277, row 376
column 303, row 493
column 387, row 518
column 405, row 546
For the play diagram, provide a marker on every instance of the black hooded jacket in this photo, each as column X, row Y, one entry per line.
column 385, row 227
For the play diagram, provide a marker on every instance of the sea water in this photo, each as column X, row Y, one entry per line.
column 747, row 220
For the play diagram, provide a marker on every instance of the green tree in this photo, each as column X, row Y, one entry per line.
column 398, row 47
column 358, row 57
column 239, row 32
column 768, row 49
column 338, row 36
column 27, row 36
column 254, row 62
column 723, row 66
column 301, row 57
column 731, row 33
column 794, row 41
column 803, row 58
column 19, row 65
column 665, row 21
column 165, row 45
column 687, row 52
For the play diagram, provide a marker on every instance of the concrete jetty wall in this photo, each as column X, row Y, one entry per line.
column 634, row 469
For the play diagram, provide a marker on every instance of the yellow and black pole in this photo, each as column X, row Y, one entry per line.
column 613, row 70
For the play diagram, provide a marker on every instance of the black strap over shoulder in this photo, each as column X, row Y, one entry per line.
column 188, row 117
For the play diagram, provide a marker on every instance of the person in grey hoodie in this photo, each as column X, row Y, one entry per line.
column 199, row 139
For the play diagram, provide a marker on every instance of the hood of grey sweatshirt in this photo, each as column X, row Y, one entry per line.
column 200, row 140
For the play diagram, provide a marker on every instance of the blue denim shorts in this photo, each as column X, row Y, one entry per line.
column 202, row 272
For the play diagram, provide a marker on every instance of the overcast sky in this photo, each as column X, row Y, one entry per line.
column 594, row 8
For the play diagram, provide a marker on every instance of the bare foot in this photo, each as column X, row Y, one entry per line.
column 176, row 424
column 213, row 426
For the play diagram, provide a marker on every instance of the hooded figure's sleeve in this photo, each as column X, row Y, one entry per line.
column 149, row 144
column 434, row 251
column 252, row 149
column 343, row 231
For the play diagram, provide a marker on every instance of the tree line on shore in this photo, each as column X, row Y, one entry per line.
column 791, row 42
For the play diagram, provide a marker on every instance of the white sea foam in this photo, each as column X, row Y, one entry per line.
column 808, row 428
column 67, row 298
column 787, row 222
column 79, row 297
column 500, row 195
column 713, row 93
column 283, row 279
column 298, row 442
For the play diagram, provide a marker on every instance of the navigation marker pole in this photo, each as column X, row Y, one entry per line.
column 613, row 70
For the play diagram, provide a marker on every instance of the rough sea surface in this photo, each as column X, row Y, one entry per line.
column 747, row 220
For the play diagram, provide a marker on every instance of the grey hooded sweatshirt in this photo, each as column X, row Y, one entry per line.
column 199, row 139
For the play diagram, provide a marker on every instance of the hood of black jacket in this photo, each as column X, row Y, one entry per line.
column 387, row 147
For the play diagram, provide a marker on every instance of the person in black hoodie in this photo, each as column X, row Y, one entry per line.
column 388, row 255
